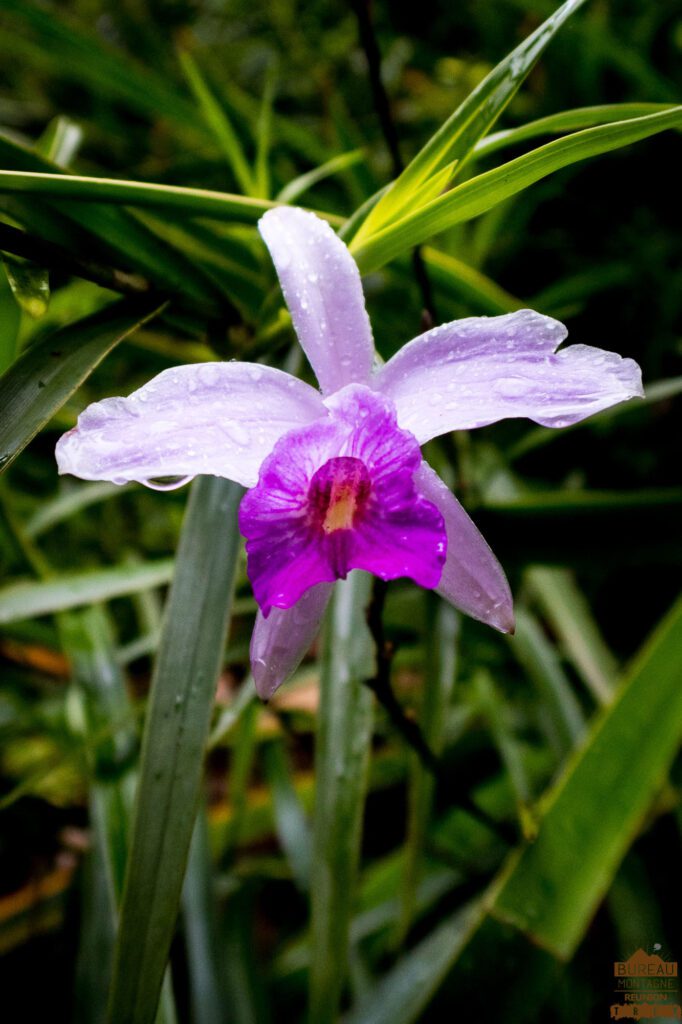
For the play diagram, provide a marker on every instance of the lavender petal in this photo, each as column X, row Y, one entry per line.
column 323, row 290
column 472, row 372
column 279, row 642
column 472, row 580
column 221, row 419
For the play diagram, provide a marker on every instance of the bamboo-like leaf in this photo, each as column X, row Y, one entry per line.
column 200, row 929
column 10, row 323
column 174, row 738
column 570, row 616
column 486, row 190
column 30, row 284
column 539, row 657
column 455, row 139
column 565, row 121
column 86, row 58
column 112, row 232
column 293, row 829
column 341, row 760
column 468, row 283
column 264, row 133
column 194, row 202
column 218, row 122
column 41, row 380
column 26, row 599
column 298, row 186
column 60, row 141
column 67, row 503
column 538, row 908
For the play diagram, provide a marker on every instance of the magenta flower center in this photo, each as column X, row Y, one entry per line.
column 338, row 494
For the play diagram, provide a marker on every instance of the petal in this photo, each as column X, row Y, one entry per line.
column 473, row 580
column 338, row 495
column 279, row 642
column 476, row 371
column 216, row 418
column 323, row 290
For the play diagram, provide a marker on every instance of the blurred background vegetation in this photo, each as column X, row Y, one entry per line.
column 586, row 520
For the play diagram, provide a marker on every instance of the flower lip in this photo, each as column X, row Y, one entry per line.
column 338, row 494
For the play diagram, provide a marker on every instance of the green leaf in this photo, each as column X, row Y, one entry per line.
column 599, row 804
column 405, row 991
column 298, row 186
column 41, row 380
column 194, row 202
column 10, row 324
column 176, row 728
column 200, row 929
column 457, row 136
column 30, row 284
column 565, row 724
column 565, row 121
column 341, row 763
column 570, row 616
column 264, row 133
column 60, row 141
column 84, row 58
column 24, row 599
column 536, row 911
column 218, row 121
column 468, row 283
column 486, row 190
column 66, row 503
column 292, row 825
column 111, row 232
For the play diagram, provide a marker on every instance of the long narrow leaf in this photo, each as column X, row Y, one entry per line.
column 538, row 908
column 457, row 136
column 487, row 190
column 47, row 373
column 341, row 760
column 175, row 734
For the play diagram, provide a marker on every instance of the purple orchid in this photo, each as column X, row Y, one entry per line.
column 336, row 479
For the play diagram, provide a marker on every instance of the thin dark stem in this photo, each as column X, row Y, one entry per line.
column 47, row 254
column 382, row 106
column 381, row 683
column 408, row 728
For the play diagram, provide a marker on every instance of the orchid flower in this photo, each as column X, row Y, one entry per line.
column 335, row 477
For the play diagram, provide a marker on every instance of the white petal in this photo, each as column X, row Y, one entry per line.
column 221, row 419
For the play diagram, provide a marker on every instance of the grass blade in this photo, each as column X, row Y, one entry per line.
column 341, row 762
column 175, row 734
column 41, row 380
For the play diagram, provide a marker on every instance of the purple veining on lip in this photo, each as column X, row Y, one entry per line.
column 337, row 482
column 340, row 495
